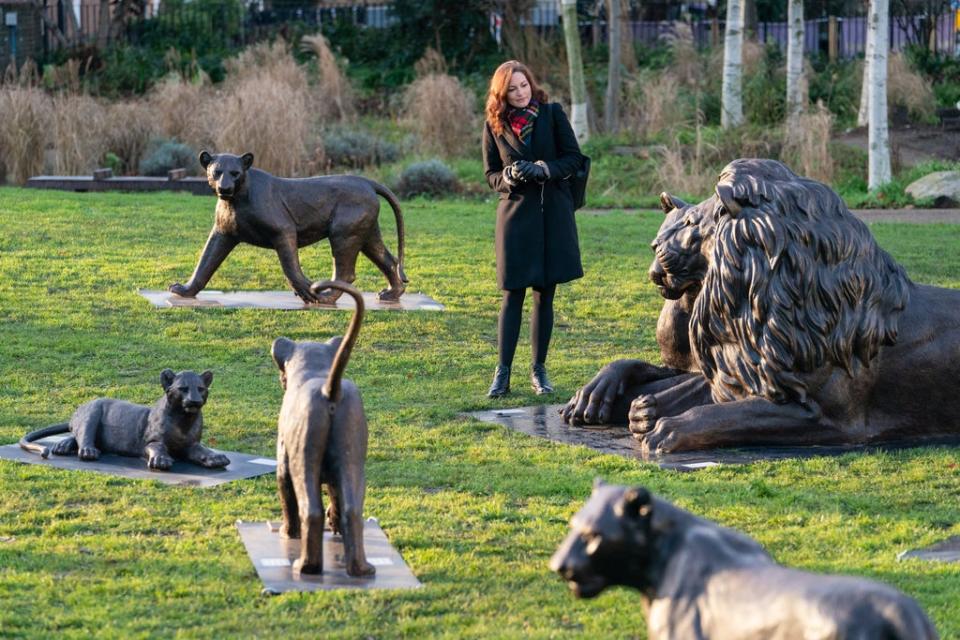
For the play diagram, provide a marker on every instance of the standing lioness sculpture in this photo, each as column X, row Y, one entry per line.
column 699, row 580
column 285, row 214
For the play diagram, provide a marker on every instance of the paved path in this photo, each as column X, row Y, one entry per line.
column 919, row 216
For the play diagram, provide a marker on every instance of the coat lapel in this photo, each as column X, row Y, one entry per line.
column 514, row 142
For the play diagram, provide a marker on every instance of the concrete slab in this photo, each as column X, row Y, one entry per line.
column 273, row 558
column 946, row 551
column 544, row 422
column 284, row 300
column 242, row 466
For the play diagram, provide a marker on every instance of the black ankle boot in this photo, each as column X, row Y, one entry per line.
column 539, row 380
column 501, row 382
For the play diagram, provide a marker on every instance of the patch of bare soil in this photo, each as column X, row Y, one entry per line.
column 912, row 144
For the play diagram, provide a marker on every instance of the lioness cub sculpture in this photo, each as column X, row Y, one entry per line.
column 322, row 438
column 699, row 580
column 170, row 429
column 285, row 214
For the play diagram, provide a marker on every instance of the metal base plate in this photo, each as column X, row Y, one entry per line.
column 946, row 551
column 286, row 300
column 544, row 421
column 242, row 466
column 273, row 558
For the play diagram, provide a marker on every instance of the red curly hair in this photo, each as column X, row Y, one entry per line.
column 497, row 96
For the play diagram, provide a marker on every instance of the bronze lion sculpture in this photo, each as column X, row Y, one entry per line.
column 322, row 439
column 805, row 330
column 700, row 580
column 169, row 430
column 285, row 214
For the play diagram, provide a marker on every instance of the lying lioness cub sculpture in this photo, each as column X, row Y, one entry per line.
column 169, row 430
column 700, row 580
column 322, row 439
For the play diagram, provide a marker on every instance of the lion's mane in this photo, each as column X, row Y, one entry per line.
column 795, row 282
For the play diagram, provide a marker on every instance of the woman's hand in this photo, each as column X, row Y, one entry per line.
column 532, row 171
column 512, row 176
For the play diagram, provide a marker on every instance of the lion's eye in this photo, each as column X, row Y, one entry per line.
column 217, row 173
column 235, row 174
column 183, row 389
column 201, row 389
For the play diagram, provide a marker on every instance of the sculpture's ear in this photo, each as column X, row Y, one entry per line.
column 636, row 502
column 205, row 159
column 207, row 377
column 246, row 160
column 598, row 484
column 166, row 378
column 335, row 341
column 281, row 351
column 725, row 193
column 668, row 202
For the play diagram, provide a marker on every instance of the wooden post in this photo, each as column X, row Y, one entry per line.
column 833, row 38
column 715, row 31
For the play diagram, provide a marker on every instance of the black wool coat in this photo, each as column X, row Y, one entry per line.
column 536, row 234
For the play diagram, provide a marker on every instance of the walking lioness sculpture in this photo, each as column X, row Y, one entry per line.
column 169, row 430
column 699, row 580
column 322, row 439
column 285, row 214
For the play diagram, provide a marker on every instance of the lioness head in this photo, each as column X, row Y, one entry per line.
column 226, row 172
column 291, row 357
column 186, row 390
column 679, row 264
column 609, row 541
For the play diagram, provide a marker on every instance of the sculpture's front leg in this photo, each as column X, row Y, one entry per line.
column 286, row 247
column 206, row 457
column 218, row 247
column 742, row 423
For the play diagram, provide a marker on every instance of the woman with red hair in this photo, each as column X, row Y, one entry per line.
column 529, row 154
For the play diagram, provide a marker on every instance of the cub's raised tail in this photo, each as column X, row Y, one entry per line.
column 331, row 388
column 28, row 442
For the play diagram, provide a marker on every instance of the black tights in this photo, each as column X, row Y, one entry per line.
column 541, row 323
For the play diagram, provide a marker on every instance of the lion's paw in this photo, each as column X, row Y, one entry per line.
column 643, row 414
column 89, row 453
column 390, row 295
column 301, row 566
column 215, row 461
column 664, row 438
column 160, row 462
column 360, row 568
column 65, row 447
column 182, row 291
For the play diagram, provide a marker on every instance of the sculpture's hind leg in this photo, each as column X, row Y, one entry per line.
column 378, row 254
column 85, row 425
column 350, row 494
column 288, row 498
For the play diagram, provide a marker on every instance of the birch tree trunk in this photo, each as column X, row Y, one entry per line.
column 878, row 22
column 731, row 101
column 611, row 112
column 865, row 86
column 578, row 89
column 795, row 27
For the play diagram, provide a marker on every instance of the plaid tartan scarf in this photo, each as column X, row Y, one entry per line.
column 521, row 120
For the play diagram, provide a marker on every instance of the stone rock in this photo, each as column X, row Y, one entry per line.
column 942, row 186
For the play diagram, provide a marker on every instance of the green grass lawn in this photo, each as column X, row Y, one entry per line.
column 474, row 509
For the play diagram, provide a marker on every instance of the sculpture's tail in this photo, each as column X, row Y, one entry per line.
column 331, row 388
column 28, row 442
column 908, row 622
column 395, row 205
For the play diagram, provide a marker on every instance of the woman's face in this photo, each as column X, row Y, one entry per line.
column 518, row 92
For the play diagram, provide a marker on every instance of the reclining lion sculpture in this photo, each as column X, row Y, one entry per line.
column 805, row 330
column 700, row 580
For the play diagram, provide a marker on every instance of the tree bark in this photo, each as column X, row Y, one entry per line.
column 731, row 107
column 862, row 117
column 611, row 112
column 878, row 22
column 578, row 88
column 795, row 98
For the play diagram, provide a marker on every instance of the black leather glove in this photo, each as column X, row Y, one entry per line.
column 531, row 171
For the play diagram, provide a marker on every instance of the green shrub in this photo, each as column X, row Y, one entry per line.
column 163, row 155
column 429, row 178
column 358, row 149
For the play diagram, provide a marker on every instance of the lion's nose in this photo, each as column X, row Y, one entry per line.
column 656, row 273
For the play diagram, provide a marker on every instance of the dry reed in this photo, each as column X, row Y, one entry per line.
column 24, row 131
column 442, row 113
column 265, row 59
column 333, row 95
column 689, row 174
column 806, row 145
column 79, row 127
column 908, row 89
column 179, row 111
column 131, row 126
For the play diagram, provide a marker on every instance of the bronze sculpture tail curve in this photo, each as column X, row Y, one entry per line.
column 332, row 386
column 391, row 197
column 28, row 442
